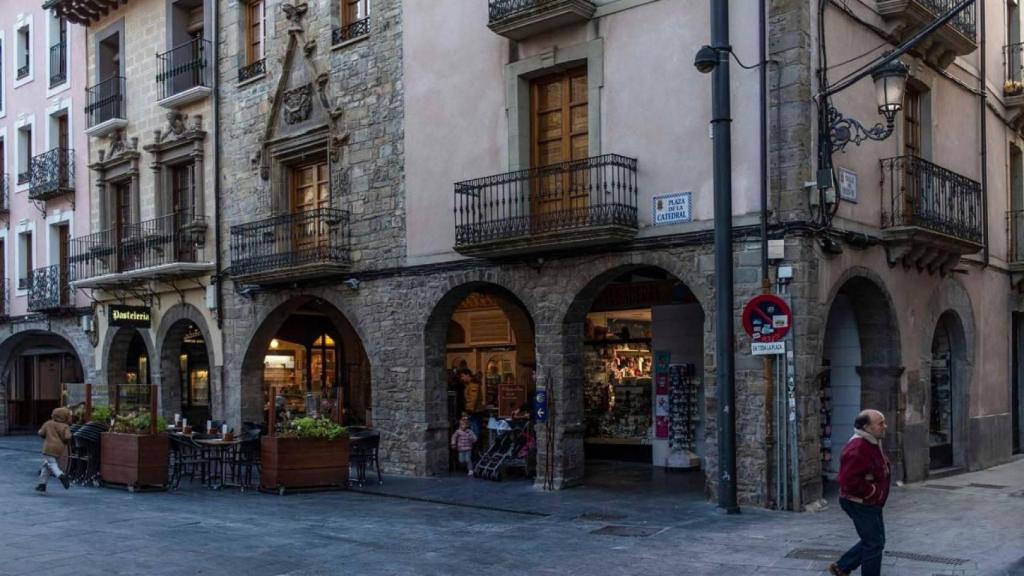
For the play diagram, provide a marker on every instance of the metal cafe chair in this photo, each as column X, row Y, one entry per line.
column 364, row 448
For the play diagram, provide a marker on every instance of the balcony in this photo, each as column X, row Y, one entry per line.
column 48, row 289
column 308, row 245
column 1015, row 253
column 254, row 70
column 183, row 74
column 907, row 17
column 5, row 300
column 53, row 174
column 931, row 216
column 5, row 196
column 569, row 205
column 58, row 64
column 519, row 19
column 166, row 248
column 350, row 32
column 24, row 177
column 105, row 109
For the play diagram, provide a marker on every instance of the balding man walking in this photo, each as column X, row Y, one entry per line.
column 863, row 490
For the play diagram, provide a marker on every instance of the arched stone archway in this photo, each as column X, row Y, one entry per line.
column 353, row 353
column 435, row 350
column 34, row 365
column 114, row 352
column 175, row 325
column 948, row 395
column 861, row 364
column 567, row 383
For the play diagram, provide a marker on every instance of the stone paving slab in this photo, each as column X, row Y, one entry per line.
column 457, row 525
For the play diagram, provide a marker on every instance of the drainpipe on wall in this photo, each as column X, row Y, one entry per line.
column 768, row 364
column 218, row 270
column 983, row 107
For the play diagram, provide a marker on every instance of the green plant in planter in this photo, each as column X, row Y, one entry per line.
column 100, row 414
column 136, row 423
column 314, row 428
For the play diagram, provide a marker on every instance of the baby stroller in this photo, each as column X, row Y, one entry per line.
column 511, row 450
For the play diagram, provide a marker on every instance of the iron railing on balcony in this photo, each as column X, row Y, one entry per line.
column 350, row 31
column 53, row 174
column 965, row 22
column 184, row 67
column 58, row 63
column 597, row 191
column 22, row 72
column 5, row 299
column 1015, row 231
column 499, row 10
column 5, row 197
column 24, row 177
column 105, row 101
column 1013, row 72
column 312, row 237
column 917, row 193
column 48, row 289
column 177, row 237
column 254, row 70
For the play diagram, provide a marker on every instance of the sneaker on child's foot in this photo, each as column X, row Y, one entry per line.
column 469, row 473
column 64, row 481
column 40, row 487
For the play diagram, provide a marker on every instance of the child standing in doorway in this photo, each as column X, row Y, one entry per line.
column 55, row 434
column 463, row 440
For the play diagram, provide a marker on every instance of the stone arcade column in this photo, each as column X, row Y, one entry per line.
column 880, row 390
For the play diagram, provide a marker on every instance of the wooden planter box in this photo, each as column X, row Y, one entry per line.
column 134, row 460
column 300, row 463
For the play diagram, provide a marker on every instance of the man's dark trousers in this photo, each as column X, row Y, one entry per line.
column 867, row 554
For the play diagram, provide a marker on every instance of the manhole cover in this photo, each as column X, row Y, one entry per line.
column 992, row 486
column 627, row 531
column 927, row 558
column 815, row 554
column 943, row 486
column 600, row 517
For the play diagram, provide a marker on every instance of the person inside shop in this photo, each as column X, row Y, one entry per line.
column 280, row 410
column 474, row 401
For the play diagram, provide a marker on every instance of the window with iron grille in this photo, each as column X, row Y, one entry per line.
column 354, row 19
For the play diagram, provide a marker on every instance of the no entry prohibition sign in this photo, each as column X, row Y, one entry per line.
column 767, row 318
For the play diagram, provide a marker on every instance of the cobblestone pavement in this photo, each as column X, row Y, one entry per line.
column 971, row 524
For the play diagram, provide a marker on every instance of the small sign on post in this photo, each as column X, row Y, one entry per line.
column 767, row 319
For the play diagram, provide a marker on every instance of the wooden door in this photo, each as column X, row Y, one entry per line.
column 183, row 181
column 913, row 149
column 310, row 191
column 123, row 226
column 559, row 134
column 63, row 145
column 63, row 264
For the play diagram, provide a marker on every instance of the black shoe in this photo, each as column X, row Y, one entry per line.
column 64, row 481
column 40, row 487
column 837, row 571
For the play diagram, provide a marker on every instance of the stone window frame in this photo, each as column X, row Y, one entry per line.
column 288, row 152
column 32, row 257
column 24, row 23
column 188, row 149
column 517, row 94
column 102, row 36
column 338, row 21
column 242, row 54
column 121, row 169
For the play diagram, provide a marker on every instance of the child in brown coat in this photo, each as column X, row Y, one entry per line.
column 55, row 434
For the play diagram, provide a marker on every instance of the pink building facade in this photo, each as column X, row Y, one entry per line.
column 43, row 179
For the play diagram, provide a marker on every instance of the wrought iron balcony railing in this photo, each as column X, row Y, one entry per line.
column 24, row 177
column 176, row 238
column 58, row 63
column 1015, row 231
column 1013, row 80
column 254, row 70
column 105, row 101
column 571, row 196
column 917, row 193
column 351, row 31
column 5, row 299
column 313, row 238
column 5, row 205
column 53, row 174
column 22, row 72
column 502, row 13
column 965, row 22
column 184, row 67
column 49, row 289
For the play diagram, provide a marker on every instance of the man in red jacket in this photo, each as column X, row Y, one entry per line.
column 863, row 489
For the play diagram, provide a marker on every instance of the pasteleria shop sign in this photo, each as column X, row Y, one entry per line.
column 134, row 316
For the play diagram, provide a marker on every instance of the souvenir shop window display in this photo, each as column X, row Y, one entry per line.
column 825, row 417
column 618, row 392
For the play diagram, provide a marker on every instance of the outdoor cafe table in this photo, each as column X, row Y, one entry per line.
column 220, row 453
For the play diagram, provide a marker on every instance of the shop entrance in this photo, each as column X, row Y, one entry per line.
column 309, row 355
column 642, row 367
column 40, row 364
column 860, row 368
column 129, row 359
column 490, row 360
column 185, row 365
column 945, row 398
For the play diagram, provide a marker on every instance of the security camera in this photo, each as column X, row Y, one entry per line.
column 352, row 283
column 706, row 59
